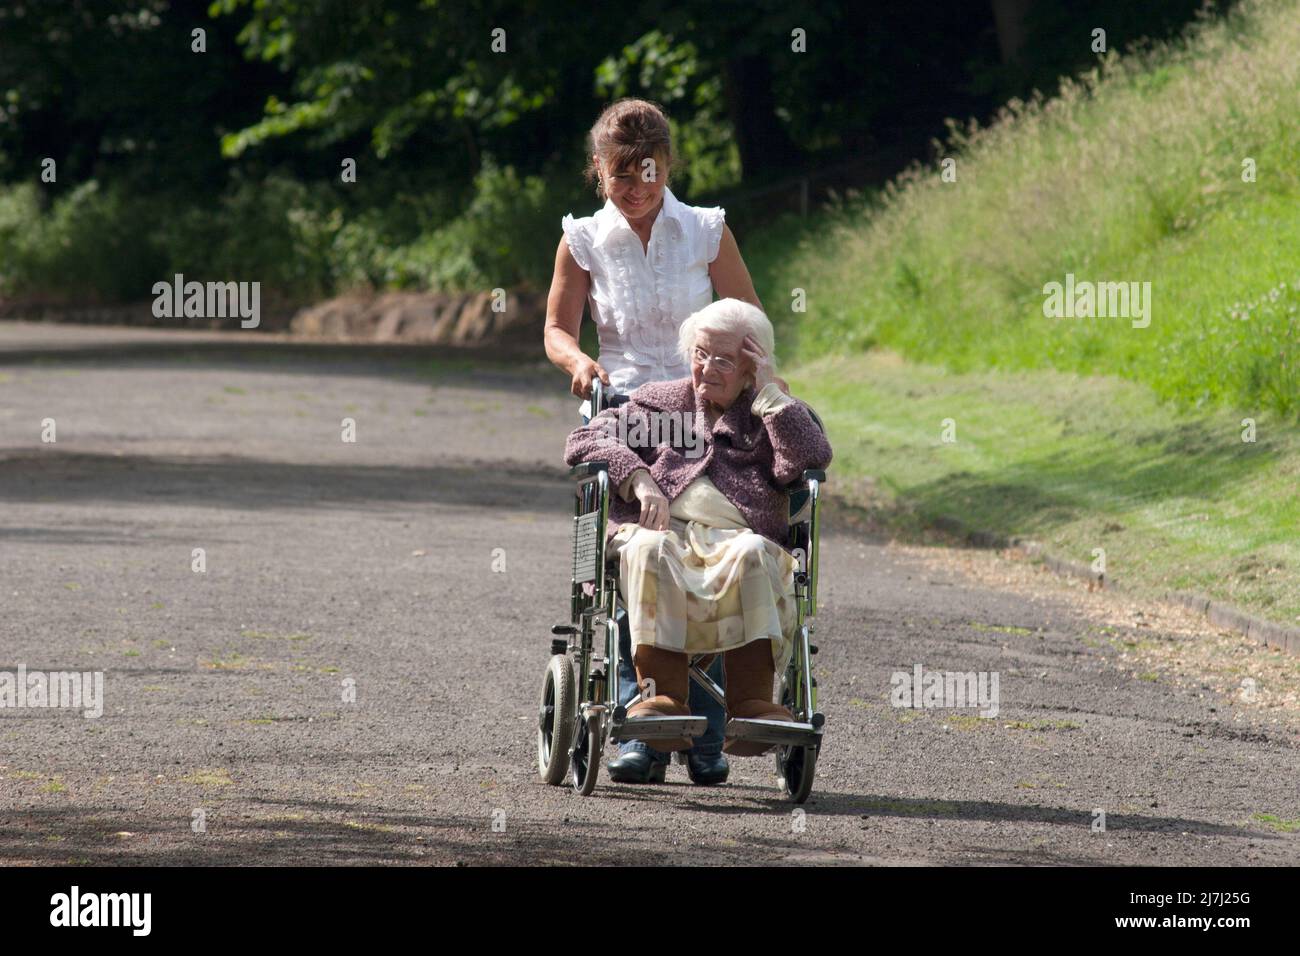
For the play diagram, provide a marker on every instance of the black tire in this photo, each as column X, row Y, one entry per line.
column 556, row 720
column 585, row 767
column 797, row 766
column 785, row 697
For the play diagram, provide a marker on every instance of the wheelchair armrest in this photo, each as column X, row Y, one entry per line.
column 588, row 469
column 800, row 483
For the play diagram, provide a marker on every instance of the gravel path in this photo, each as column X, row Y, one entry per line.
column 337, row 570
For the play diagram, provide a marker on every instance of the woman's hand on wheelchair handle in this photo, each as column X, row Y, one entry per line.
column 585, row 370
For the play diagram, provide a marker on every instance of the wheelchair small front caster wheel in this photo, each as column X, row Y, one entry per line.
column 584, row 768
column 796, row 767
column 556, row 717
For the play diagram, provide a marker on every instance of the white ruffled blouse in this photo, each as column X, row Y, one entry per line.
column 639, row 298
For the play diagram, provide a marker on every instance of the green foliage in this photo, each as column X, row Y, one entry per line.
column 225, row 163
column 103, row 244
column 405, row 79
column 506, row 238
column 670, row 72
column 301, row 242
column 276, row 231
column 92, row 245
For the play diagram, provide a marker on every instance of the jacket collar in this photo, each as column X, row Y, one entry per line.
column 672, row 395
column 736, row 420
column 610, row 222
column 679, row 395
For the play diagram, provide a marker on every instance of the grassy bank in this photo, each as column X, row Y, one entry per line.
column 1176, row 500
column 925, row 302
column 1138, row 172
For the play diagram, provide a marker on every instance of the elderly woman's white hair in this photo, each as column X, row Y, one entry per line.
column 728, row 316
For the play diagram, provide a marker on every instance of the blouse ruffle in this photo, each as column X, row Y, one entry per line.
column 579, row 242
column 713, row 219
column 640, row 297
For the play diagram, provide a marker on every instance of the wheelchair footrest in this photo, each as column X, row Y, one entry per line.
column 657, row 728
column 781, row 732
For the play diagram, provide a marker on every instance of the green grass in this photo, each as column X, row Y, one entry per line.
column 1132, row 173
column 273, row 636
column 218, row 777
column 1002, row 628
column 1276, row 823
column 1176, row 500
column 925, row 309
column 1042, row 725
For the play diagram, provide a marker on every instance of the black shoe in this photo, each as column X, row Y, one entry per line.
column 707, row 770
column 636, row 766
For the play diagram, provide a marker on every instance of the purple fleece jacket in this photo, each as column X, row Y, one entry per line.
column 750, row 458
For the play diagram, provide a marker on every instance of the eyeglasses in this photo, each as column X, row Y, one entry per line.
column 723, row 365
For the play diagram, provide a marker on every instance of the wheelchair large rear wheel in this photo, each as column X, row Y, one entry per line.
column 556, row 720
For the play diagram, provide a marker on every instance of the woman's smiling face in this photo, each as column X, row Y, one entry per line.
column 635, row 192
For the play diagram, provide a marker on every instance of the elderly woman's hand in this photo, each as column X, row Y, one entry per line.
column 762, row 363
column 654, row 506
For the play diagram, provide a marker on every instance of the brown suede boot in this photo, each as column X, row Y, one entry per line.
column 749, row 693
column 671, row 685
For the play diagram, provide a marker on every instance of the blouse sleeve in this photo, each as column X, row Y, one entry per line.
column 576, row 237
column 712, row 220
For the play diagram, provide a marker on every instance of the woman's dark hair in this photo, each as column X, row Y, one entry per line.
column 628, row 132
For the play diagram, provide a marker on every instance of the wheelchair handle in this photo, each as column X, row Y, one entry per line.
column 812, row 474
column 603, row 397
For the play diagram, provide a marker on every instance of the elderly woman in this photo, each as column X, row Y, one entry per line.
column 641, row 265
column 698, row 522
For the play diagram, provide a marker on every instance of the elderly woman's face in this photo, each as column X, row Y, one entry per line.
column 719, row 371
column 634, row 191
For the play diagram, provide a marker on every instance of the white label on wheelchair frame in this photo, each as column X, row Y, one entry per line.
column 800, row 558
column 586, row 548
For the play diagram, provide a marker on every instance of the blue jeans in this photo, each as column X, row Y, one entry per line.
column 701, row 702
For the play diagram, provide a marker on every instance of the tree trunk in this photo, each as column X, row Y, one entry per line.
column 765, row 147
column 1009, row 16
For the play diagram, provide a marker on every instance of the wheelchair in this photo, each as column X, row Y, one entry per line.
column 579, row 711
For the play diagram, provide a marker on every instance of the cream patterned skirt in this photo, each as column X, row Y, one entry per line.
column 699, row 589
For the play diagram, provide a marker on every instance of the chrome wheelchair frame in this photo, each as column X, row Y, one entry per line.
column 580, row 713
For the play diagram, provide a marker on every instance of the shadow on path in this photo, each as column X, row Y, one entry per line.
column 519, row 367
column 255, row 484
